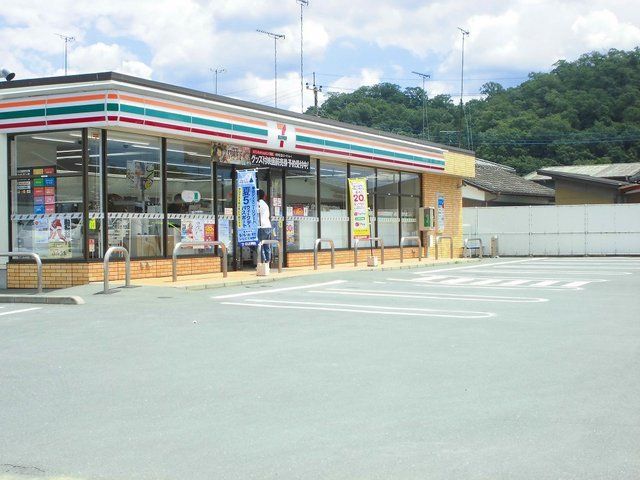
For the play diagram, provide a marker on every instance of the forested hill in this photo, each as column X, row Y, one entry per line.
column 581, row 112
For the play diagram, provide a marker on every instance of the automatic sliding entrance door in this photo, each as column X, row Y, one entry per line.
column 269, row 180
column 225, row 188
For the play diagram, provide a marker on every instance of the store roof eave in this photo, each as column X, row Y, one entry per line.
column 152, row 84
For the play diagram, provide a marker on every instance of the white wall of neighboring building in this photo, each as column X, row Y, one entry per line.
column 557, row 229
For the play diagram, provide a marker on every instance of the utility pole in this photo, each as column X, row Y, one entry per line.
column 276, row 37
column 67, row 39
column 216, row 71
column 303, row 3
column 316, row 89
column 425, row 119
column 465, row 33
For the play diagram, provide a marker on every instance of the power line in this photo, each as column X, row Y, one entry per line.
column 408, row 79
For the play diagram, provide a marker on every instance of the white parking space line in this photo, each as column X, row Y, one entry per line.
column 431, row 296
column 362, row 309
column 458, row 281
column 274, row 290
column 513, row 283
column 562, row 271
column 595, row 268
column 468, row 267
column 586, row 265
column 488, row 281
column 501, row 282
column 575, row 284
column 22, row 310
column 545, row 283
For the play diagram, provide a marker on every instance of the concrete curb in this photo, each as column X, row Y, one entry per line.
column 275, row 277
column 42, row 299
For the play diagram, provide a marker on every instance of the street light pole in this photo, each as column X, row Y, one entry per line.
column 425, row 120
column 67, row 39
column 465, row 33
column 216, row 71
column 303, row 3
column 276, row 37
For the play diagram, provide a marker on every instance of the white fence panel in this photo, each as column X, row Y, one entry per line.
column 557, row 230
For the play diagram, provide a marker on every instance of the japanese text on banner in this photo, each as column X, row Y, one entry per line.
column 360, row 224
column 247, row 207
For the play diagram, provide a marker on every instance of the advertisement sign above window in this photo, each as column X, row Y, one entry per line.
column 286, row 160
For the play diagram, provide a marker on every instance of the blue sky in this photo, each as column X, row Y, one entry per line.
column 348, row 44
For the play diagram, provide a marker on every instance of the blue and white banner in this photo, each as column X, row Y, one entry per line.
column 247, row 207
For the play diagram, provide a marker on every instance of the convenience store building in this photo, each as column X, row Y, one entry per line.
column 98, row 160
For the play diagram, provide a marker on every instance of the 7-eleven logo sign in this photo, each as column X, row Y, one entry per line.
column 282, row 134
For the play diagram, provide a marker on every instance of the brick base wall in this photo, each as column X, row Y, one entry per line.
column 69, row 274
column 305, row 259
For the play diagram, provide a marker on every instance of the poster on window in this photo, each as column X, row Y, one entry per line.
column 360, row 224
column 440, row 213
column 140, row 175
column 247, row 207
column 59, row 238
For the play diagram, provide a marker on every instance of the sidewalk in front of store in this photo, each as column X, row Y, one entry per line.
column 247, row 277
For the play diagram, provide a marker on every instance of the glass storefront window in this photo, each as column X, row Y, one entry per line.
column 409, row 216
column 53, row 152
column 387, row 203
column 409, row 203
column 334, row 216
column 96, row 216
column 387, row 182
column 46, row 194
column 302, row 216
column 388, row 220
column 134, row 193
column 56, row 234
column 410, row 184
column 189, row 194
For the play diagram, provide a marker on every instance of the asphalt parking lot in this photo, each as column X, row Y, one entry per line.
column 505, row 369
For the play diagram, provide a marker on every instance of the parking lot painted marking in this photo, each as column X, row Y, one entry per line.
column 581, row 266
column 559, row 270
column 513, row 283
column 501, row 282
column 545, row 283
column 468, row 267
column 431, row 296
column 22, row 310
column 362, row 309
column 457, row 281
column 488, row 281
column 575, row 284
column 285, row 289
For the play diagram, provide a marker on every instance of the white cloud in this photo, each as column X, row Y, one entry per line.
column 100, row 57
column 602, row 29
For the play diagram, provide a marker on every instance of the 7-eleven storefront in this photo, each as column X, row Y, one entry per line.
column 93, row 161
